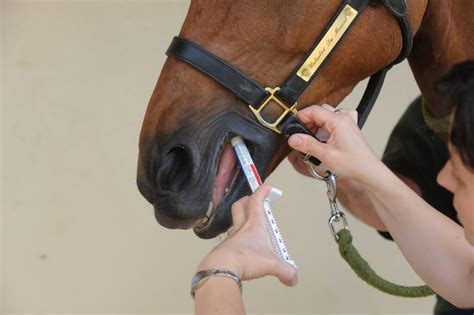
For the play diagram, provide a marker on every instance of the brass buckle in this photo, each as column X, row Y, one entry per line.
column 272, row 97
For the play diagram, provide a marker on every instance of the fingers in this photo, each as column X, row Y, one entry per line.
column 324, row 115
column 257, row 199
column 286, row 273
column 239, row 214
column 328, row 107
column 297, row 161
column 322, row 134
column 248, row 207
column 308, row 145
column 259, row 258
column 329, row 121
column 351, row 113
column 317, row 115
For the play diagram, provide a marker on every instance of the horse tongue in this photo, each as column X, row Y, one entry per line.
column 225, row 172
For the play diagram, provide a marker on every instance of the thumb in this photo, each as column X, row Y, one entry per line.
column 256, row 201
column 286, row 273
column 307, row 144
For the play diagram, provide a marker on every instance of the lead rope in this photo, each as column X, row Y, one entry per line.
column 351, row 255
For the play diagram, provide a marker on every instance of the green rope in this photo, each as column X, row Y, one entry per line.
column 366, row 273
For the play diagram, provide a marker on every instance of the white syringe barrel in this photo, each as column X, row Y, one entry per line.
column 246, row 163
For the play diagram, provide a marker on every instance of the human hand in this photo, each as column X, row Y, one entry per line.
column 296, row 158
column 248, row 250
column 297, row 161
column 346, row 152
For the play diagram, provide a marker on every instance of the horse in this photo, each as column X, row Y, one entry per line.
column 186, row 167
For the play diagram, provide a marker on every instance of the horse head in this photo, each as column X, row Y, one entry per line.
column 187, row 168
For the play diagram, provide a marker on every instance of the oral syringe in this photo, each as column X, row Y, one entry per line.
column 254, row 181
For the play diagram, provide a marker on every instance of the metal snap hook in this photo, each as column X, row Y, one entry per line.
column 333, row 220
column 332, row 187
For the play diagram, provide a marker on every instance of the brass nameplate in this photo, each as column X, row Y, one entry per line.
column 327, row 43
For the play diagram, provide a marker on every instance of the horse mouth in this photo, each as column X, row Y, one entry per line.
column 225, row 190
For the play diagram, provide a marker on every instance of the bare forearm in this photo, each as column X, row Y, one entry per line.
column 434, row 245
column 355, row 199
column 220, row 295
column 245, row 254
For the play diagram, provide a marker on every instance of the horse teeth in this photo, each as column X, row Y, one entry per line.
column 203, row 221
column 209, row 209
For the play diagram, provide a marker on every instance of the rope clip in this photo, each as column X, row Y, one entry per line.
column 336, row 214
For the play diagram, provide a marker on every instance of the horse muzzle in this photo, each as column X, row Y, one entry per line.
column 192, row 176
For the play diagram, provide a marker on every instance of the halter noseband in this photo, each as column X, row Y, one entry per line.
column 286, row 95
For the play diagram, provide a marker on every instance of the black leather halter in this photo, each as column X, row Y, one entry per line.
column 287, row 94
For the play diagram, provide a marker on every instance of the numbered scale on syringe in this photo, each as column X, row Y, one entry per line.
column 276, row 232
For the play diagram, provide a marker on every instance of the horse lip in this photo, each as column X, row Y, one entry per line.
column 234, row 178
column 217, row 209
column 214, row 226
column 171, row 222
column 239, row 188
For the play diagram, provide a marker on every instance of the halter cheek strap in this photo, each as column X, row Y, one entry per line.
column 286, row 96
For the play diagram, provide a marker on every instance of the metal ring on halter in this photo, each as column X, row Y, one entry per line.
column 312, row 169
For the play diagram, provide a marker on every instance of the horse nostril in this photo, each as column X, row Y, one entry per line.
column 175, row 169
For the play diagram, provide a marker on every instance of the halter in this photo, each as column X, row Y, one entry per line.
column 286, row 96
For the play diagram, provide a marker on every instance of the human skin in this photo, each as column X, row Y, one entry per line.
column 459, row 180
column 351, row 194
column 423, row 235
column 247, row 252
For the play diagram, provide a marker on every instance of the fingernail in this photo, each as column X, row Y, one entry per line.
column 296, row 140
